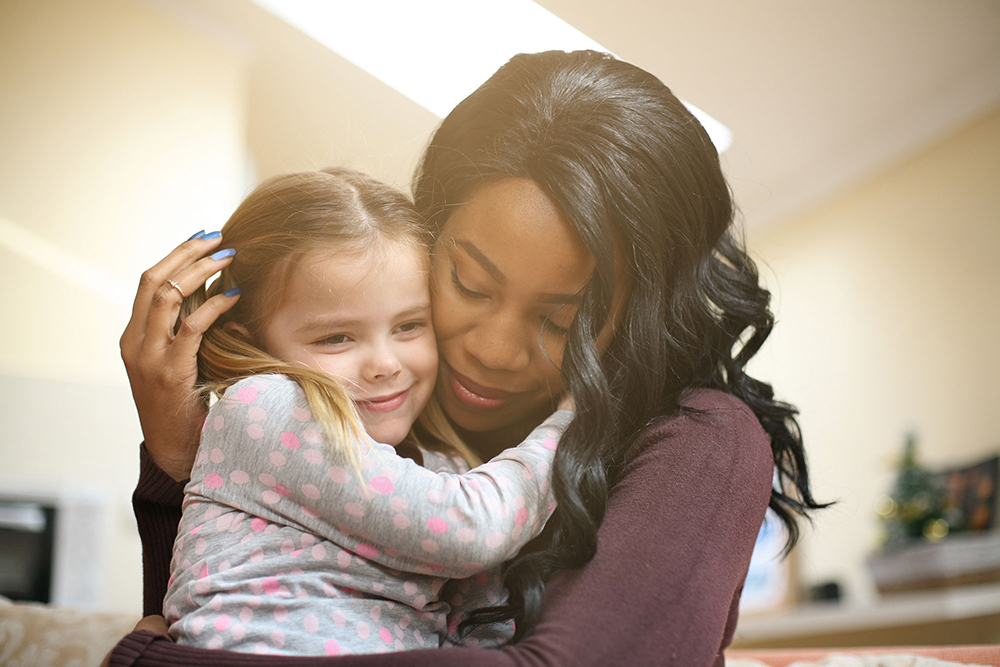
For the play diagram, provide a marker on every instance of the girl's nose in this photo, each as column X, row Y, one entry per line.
column 382, row 364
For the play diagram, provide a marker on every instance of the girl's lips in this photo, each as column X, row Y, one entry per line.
column 476, row 396
column 383, row 403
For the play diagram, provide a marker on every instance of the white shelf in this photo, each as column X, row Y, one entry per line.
column 900, row 609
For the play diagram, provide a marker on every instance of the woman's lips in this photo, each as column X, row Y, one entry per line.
column 383, row 403
column 476, row 396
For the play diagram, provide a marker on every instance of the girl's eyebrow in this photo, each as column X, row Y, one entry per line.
column 498, row 275
column 334, row 322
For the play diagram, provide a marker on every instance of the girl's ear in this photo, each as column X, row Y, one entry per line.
column 237, row 331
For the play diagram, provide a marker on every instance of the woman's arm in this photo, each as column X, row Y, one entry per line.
column 664, row 586
column 262, row 452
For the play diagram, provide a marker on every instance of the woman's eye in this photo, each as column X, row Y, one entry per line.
column 554, row 328
column 462, row 288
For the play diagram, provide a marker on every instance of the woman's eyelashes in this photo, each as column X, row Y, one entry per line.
column 554, row 328
column 462, row 288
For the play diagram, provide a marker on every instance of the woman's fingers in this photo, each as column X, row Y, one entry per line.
column 165, row 303
column 188, row 339
column 181, row 257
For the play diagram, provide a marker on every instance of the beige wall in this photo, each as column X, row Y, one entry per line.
column 122, row 134
column 888, row 301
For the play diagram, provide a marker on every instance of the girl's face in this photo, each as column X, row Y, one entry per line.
column 364, row 318
column 507, row 274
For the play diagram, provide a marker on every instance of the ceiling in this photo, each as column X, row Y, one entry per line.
column 819, row 95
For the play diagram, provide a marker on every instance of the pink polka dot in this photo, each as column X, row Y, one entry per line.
column 224, row 522
column 216, row 602
column 218, row 423
column 256, row 413
column 258, row 524
column 481, row 578
column 255, row 431
column 246, row 394
column 354, row 509
column 270, row 497
column 197, row 624
column 278, row 639
column 222, row 623
column 290, row 440
column 213, row 481
column 410, row 587
column 311, row 624
column 246, row 614
column 199, row 546
column 397, row 503
column 204, row 572
column 282, row 490
column 217, row 456
column 549, row 444
column 331, row 647
column 465, row 535
column 385, row 635
column 310, row 512
column 238, row 632
column 277, row 459
column 401, row 521
column 312, row 435
column 239, row 477
column 281, row 613
column 366, row 551
column 313, row 456
column 338, row 475
column 382, row 485
column 437, row 525
column 521, row 516
column 343, row 559
column 318, row 552
column 267, row 479
column 455, row 514
column 363, row 630
column 430, row 546
column 494, row 540
column 435, row 496
column 301, row 414
column 310, row 491
column 269, row 585
column 375, row 612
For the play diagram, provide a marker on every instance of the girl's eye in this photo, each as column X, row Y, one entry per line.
column 410, row 327
column 336, row 339
column 462, row 288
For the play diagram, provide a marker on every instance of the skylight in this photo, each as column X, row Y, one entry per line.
column 436, row 52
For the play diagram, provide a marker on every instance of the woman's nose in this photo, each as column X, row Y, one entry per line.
column 500, row 342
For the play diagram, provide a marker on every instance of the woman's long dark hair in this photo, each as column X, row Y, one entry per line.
column 633, row 169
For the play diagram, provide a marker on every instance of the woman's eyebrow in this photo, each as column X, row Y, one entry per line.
column 484, row 261
column 492, row 269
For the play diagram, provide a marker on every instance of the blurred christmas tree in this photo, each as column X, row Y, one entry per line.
column 918, row 506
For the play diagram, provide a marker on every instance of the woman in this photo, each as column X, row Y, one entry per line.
column 583, row 245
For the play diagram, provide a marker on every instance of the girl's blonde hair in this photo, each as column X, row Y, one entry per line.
column 282, row 221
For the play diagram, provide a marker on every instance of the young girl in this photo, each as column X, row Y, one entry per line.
column 301, row 534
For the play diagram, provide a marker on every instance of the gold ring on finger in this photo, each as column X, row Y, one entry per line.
column 178, row 288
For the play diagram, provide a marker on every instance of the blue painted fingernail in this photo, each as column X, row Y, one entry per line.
column 222, row 254
column 232, row 292
column 196, row 235
column 211, row 235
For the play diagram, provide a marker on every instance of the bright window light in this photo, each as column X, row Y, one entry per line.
column 436, row 52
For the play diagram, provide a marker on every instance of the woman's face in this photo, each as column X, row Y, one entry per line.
column 507, row 274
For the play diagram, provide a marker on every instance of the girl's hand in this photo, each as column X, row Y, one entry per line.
column 162, row 366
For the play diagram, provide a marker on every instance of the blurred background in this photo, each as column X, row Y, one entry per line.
column 865, row 160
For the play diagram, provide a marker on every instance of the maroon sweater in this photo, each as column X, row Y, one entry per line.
column 663, row 588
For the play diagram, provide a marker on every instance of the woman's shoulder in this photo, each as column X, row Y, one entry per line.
column 712, row 428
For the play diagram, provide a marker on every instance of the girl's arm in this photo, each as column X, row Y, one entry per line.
column 262, row 452
column 664, row 586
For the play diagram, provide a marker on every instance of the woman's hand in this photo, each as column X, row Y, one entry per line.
column 162, row 365
column 155, row 624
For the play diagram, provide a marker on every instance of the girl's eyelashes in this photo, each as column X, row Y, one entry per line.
column 335, row 339
column 410, row 327
column 462, row 288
